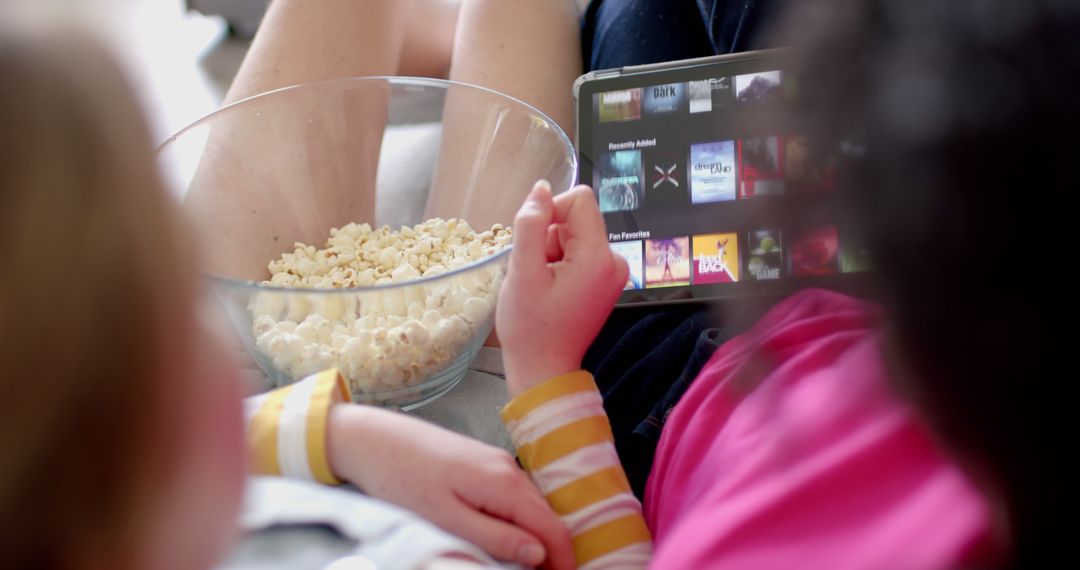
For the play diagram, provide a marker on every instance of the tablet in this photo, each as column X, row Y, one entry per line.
column 707, row 184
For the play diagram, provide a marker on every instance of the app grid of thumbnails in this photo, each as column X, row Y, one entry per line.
column 693, row 97
column 724, row 257
column 632, row 175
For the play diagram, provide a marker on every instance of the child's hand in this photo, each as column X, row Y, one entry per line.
column 562, row 283
column 466, row 487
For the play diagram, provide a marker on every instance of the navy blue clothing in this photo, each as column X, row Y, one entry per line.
column 643, row 362
column 617, row 33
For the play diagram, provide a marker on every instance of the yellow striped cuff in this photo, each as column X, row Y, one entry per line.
column 262, row 435
column 564, row 441
column 330, row 388
column 609, row 537
column 588, row 490
column 519, row 407
column 287, row 432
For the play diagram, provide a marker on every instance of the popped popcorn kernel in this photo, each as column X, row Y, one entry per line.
column 379, row 340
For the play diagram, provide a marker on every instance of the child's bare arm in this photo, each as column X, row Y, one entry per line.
column 308, row 430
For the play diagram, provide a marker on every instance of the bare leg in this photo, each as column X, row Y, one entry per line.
column 529, row 49
column 301, row 41
column 526, row 48
column 315, row 171
column 429, row 39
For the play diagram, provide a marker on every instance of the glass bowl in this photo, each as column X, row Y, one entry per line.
column 286, row 167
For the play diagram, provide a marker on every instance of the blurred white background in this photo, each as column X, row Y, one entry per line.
column 180, row 62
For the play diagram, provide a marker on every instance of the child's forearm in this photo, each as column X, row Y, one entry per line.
column 564, row 441
column 308, row 430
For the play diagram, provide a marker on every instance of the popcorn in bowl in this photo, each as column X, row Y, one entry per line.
column 387, row 338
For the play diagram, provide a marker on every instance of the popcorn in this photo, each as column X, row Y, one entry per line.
column 380, row 340
column 476, row 310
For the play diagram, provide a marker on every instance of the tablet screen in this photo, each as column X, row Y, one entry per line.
column 708, row 187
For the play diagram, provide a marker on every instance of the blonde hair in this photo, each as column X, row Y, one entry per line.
column 92, row 278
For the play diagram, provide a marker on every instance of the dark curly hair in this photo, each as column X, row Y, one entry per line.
column 958, row 121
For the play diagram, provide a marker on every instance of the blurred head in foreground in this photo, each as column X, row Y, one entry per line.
column 120, row 426
column 957, row 123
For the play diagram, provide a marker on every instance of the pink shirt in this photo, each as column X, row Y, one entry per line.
column 789, row 451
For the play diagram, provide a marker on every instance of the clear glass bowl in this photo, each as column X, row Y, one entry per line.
column 286, row 166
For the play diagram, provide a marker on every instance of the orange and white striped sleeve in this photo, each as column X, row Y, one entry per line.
column 564, row 441
column 286, row 428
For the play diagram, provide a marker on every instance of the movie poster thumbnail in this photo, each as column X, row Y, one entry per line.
column 667, row 262
column 814, row 252
column 716, row 258
column 760, row 167
column 664, row 99
column 631, row 250
column 621, row 105
column 714, row 94
column 758, row 87
column 807, row 166
column 619, row 181
column 855, row 256
column 712, row 172
column 765, row 255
